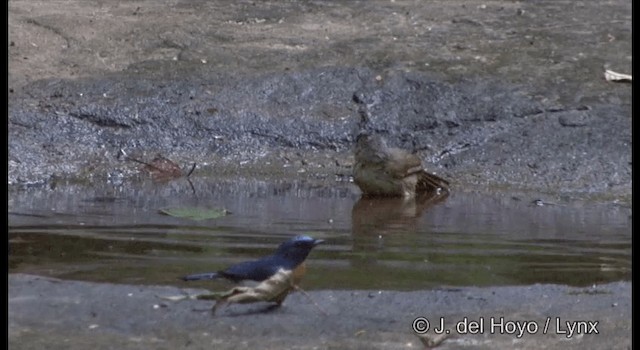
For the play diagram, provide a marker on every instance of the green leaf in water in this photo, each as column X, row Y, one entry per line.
column 195, row 213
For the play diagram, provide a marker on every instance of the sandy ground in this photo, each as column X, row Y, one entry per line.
column 56, row 314
column 493, row 93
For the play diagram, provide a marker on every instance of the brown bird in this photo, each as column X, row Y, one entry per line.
column 381, row 170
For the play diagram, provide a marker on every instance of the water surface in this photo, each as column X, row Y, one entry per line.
column 115, row 233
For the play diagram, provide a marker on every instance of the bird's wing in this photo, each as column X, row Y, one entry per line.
column 256, row 270
column 402, row 163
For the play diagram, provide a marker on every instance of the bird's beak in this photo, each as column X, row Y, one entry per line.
column 317, row 241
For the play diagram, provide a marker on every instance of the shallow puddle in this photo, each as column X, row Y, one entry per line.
column 117, row 234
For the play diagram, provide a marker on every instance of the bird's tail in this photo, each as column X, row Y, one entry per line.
column 201, row 276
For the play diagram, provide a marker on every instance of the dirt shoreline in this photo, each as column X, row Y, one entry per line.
column 502, row 94
column 74, row 315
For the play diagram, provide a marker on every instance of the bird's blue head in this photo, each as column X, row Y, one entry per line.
column 297, row 248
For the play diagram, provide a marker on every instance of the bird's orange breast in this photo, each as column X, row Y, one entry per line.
column 298, row 273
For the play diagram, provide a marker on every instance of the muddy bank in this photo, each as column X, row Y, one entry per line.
column 74, row 315
column 499, row 94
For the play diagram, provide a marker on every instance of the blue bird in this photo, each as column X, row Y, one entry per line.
column 289, row 256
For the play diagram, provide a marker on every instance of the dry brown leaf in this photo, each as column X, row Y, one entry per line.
column 432, row 340
column 274, row 289
column 610, row 75
column 162, row 169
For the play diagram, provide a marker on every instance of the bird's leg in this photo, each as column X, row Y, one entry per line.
column 297, row 288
